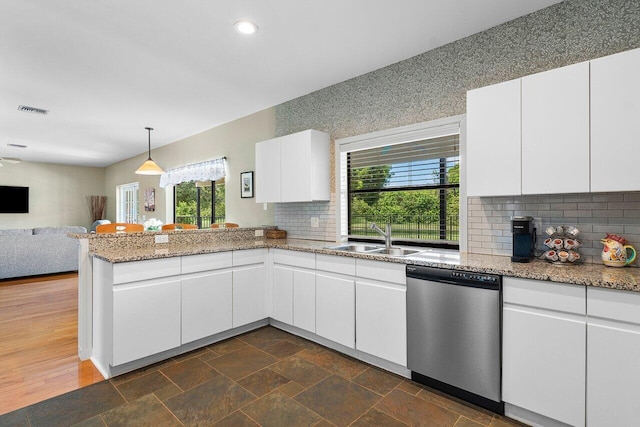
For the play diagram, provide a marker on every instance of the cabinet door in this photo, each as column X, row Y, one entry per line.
column 613, row 375
column 381, row 321
column 543, row 367
column 615, row 108
column 283, row 294
column 555, row 131
column 493, row 140
column 305, row 174
column 146, row 319
column 335, row 309
column 295, row 173
column 248, row 295
column 613, row 357
column 304, row 300
column 206, row 305
column 268, row 171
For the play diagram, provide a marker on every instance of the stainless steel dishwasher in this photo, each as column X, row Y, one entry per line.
column 454, row 327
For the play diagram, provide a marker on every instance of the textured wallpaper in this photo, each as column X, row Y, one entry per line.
column 434, row 84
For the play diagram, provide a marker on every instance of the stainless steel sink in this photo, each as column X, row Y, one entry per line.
column 377, row 250
column 396, row 251
column 355, row 248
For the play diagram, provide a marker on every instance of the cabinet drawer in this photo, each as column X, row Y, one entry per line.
column 294, row 258
column 614, row 304
column 248, row 257
column 380, row 270
column 143, row 270
column 204, row 262
column 336, row 264
column 545, row 295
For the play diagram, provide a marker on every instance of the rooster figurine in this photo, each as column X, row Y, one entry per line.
column 616, row 253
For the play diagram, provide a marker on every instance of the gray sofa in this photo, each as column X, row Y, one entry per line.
column 34, row 251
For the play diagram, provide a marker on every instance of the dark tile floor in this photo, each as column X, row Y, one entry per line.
column 263, row 378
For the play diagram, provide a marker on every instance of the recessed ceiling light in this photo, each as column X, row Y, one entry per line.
column 16, row 145
column 245, row 27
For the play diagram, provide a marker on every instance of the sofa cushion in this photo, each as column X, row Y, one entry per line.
column 14, row 231
column 59, row 230
column 49, row 251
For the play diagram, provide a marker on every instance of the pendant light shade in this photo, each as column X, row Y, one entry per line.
column 149, row 167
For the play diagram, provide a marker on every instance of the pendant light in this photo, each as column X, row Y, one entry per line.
column 149, row 167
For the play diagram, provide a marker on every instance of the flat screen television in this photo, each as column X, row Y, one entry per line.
column 14, row 199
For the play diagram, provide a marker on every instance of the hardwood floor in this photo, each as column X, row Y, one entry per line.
column 39, row 336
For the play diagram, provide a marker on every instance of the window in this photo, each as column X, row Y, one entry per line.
column 201, row 203
column 127, row 203
column 411, row 181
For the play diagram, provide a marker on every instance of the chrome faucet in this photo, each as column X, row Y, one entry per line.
column 386, row 234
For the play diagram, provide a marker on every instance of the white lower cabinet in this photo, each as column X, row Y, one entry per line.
column 544, row 341
column 248, row 295
column 613, row 357
column 282, row 308
column 294, row 288
column 381, row 320
column 249, row 282
column 335, row 309
column 304, row 300
column 146, row 319
column 206, row 305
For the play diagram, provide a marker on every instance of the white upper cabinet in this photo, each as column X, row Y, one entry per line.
column 615, row 110
column 267, row 164
column 493, row 140
column 555, row 131
column 573, row 123
column 293, row 168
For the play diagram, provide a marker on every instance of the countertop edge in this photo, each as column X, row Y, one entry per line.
column 593, row 275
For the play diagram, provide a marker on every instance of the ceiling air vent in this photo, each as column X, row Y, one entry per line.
column 27, row 109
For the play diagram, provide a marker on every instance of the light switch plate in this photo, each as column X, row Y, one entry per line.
column 315, row 222
column 162, row 238
column 259, row 233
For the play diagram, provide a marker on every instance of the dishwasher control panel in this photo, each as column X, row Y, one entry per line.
column 480, row 277
column 456, row 277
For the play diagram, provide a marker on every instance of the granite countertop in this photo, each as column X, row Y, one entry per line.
column 579, row 274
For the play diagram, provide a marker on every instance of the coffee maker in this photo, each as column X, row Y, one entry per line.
column 524, row 238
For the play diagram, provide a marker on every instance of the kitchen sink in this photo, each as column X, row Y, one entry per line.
column 355, row 248
column 396, row 251
column 377, row 250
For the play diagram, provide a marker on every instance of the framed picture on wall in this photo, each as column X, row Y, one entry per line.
column 246, row 185
column 150, row 199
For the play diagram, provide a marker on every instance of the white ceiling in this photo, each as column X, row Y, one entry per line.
column 107, row 69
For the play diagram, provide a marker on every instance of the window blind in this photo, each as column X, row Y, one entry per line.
column 414, row 186
column 415, row 164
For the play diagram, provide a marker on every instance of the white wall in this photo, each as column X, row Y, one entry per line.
column 234, row 140
column 57, row 193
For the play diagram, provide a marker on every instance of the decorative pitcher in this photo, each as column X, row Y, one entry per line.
column 616, row 253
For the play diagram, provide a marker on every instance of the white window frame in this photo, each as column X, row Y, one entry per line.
column 400, row 135
column 127, row 196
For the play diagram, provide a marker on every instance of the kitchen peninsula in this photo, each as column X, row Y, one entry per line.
column 141, row 302
column 136, row 258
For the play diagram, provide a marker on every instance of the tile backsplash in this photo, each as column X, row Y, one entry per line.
column 296, row 219
column 595, row 214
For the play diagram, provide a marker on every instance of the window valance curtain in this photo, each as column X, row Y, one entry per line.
column 211, row 170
